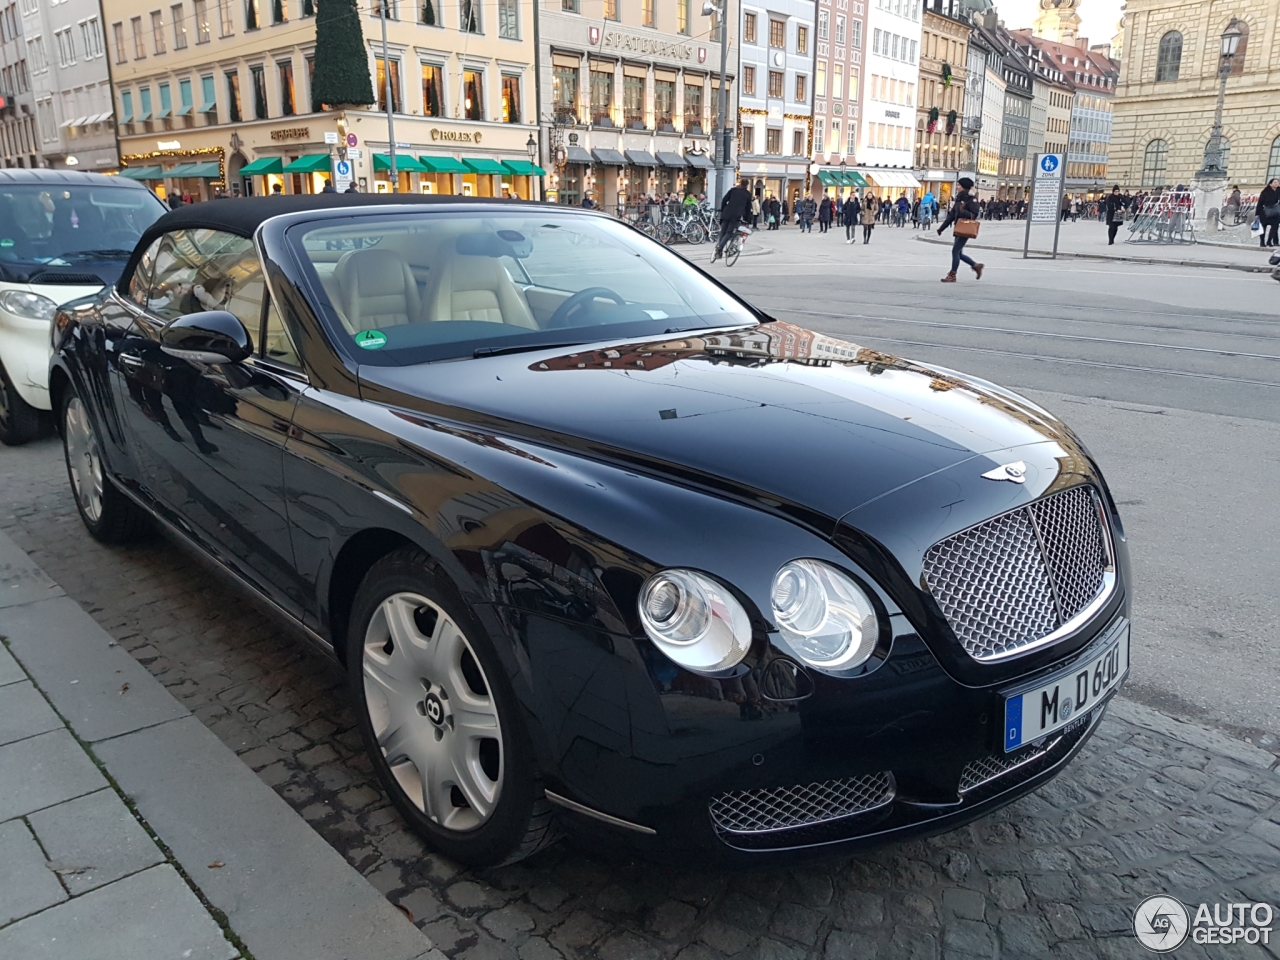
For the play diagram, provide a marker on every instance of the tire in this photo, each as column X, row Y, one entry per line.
column 429, row 690
column 731, row 252
column 108, row 514
column 19, row 421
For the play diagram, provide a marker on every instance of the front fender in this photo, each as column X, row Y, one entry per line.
column 24, row 351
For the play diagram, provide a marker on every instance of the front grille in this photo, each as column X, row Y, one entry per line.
column 784, row 808
column 978, row 772
column 1012, row 581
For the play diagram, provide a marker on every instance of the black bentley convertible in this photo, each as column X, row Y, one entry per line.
column 600, row 544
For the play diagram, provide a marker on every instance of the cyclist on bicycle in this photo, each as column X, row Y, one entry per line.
column 733, row 210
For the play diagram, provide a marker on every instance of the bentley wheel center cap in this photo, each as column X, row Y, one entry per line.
column 434, row 709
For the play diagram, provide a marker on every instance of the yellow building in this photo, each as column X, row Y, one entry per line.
column 1169, row 86
column 215, row 95
column 944, row 53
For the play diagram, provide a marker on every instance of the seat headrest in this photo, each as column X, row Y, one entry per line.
column 376, row 273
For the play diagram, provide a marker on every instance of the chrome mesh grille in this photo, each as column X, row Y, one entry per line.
column 1073, row 548
column 782, row 808
column 1013, row 579
column 986, row 769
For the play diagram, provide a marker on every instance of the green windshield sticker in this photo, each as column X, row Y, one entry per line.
column 371, row 339
column 6, row 242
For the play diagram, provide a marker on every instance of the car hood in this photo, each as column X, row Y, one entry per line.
column 776, row 412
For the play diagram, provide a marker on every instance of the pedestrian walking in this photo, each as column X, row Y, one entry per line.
column 1114, row 207
column 964, row 208
column 870, row 210
column 1066, row 207
column 824, row 214
column 328, row 187
column 927, row 211
column 786, row 211
column 850, row 214
column 806, row 210
column 755, row 213
column 734, row 208
column 1268, row 210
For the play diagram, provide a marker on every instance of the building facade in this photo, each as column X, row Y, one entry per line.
column 839, row 91
column 216, row 95
column 940, row 152
column 1168, row 88
column 19, row 128
column 1015, row 123
column 778, row 85
column 892, row 75
column 71, row 90
column 991, row 122
column 629, row 99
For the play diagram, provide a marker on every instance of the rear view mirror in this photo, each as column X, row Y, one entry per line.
column 212, row 336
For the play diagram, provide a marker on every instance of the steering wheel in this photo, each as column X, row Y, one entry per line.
column 572, row 311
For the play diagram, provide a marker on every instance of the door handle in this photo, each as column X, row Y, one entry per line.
column 129, row 360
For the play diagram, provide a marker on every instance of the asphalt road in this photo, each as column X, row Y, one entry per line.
column 1171, row 375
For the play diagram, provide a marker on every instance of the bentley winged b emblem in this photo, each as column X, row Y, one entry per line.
column 1013, row 472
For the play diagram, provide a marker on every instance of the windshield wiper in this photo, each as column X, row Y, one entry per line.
column 523, row 348
column 110, row 253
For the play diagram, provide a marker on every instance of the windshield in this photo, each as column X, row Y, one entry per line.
column 409, row 288
column 90, row 229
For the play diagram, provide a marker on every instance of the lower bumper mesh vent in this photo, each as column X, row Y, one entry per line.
column 784, row 808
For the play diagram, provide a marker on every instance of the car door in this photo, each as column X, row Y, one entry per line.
column 208, row 439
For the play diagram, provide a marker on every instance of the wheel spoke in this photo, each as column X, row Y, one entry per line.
column 480, row 791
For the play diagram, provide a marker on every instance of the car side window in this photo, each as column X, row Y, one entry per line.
column 277, row 345
column 198, row 270
column 140, row 282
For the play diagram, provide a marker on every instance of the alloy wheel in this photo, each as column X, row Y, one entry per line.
column 84, row 460
column 432, row 712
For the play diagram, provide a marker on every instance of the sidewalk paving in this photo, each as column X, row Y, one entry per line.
column 128, row 831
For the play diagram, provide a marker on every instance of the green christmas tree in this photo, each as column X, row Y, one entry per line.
column 342, row 67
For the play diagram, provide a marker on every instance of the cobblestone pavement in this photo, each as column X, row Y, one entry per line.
column 1151, row 805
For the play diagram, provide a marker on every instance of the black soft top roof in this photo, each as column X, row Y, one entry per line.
column 243, row 215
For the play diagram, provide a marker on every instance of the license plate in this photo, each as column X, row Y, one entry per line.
column 1034, row 713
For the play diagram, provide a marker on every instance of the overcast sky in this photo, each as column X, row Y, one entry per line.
column 1099, row 17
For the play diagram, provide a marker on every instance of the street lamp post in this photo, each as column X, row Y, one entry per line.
column 386, row 88
column 712, row 9
column 531, row 147
column 1213, row 168
column 844, row 178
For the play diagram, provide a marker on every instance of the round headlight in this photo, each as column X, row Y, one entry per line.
column 694, row 621
column 30, row 306
column 823, row 615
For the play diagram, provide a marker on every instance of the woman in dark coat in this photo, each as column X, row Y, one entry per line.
column 824, row 215
column 850, row 215
column 1269, row 213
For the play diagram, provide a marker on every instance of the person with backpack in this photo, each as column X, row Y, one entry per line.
column 965, row 207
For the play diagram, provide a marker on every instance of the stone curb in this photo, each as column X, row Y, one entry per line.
column 1212, row 264
column 286, row 893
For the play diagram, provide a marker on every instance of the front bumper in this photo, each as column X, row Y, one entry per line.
column 657, row 748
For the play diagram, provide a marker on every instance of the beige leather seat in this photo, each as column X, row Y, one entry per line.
column 377, row 290
column 478, row 288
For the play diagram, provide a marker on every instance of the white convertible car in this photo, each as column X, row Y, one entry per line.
column 63, row 235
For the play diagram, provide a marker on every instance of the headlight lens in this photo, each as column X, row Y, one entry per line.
column 694, row 621
column 824, row 616
column 32, row 306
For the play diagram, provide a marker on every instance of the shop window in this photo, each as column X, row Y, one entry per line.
column 564, row 92
column 664, row 104
column 602, row 96
column 1169, row 59
column 432, row 91
column 259, row 76
column 1154, row 160
column 288, row 104
column 510, row 99
column 633, row 102
column 692, row 109
column 380, row 84
column 508, row 20
column 472, row 93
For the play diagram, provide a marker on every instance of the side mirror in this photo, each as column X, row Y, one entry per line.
column 212, row 336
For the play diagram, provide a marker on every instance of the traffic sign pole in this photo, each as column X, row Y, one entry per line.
column 1047, row 183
